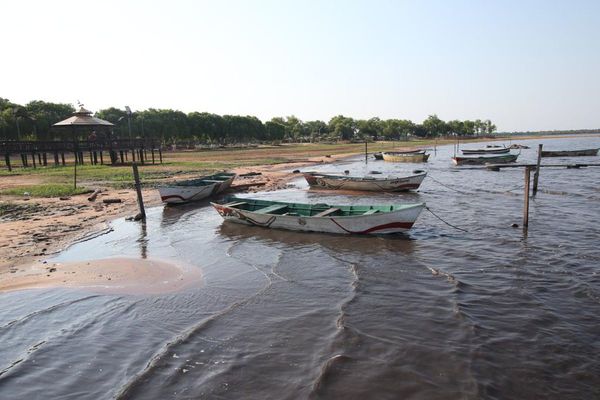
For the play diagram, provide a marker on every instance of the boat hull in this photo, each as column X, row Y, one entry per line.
column 376, row 224
column 491, row 150
column 502, row 159
column 570, row 153
column 365, row 184
column 405, row 157
column 178, row 194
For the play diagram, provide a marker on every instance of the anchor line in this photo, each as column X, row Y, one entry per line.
column 446, row 186
column 447, row 223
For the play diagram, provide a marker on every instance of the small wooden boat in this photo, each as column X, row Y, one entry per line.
column 494, row 159
column 486, row 150
column 195, row 189
column 345, row 219
column 570, row 153
column 401, row 156
column 344, row 182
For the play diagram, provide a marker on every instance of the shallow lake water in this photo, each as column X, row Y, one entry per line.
column 437, row 313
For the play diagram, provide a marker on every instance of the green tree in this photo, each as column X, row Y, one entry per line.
column 370, row 128
column 435, row 126
column 43, row 115
column 488, row 127
column 342, row 127
column 316, row 129
column 274, row 130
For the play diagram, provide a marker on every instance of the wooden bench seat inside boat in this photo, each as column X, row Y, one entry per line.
column 235, row 204
column 327, row 212
column 371, row 211
column 271, row 209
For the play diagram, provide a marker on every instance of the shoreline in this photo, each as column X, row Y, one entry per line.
column 47, row 226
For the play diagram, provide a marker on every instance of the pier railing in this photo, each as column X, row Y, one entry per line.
column 118, row 151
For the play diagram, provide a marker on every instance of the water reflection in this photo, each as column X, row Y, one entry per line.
column 143, row 240
column 172, row 214
column 402, row 244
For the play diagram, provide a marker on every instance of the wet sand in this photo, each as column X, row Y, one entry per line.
column 111, row 275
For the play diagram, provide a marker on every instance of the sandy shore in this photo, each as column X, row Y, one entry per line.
column 113, row 275
column 40, row 227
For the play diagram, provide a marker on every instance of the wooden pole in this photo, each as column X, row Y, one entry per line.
column 526, row 206
column 75, row 175
column 366, row 160
column 7, row 159
column 536, row 175
column 138, row 189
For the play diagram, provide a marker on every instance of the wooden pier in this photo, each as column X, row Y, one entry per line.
column 42, row 153
column 498, row 167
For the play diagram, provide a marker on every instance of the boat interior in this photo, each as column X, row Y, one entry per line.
column 308, row 210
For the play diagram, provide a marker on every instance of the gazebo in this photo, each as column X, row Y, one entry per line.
column 82, row 119
column 98, row 142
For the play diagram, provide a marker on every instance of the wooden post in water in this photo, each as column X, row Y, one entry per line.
column 366, row 151
column 138, row 189
column 536, row 175
column 526, row 206
column 7, row 160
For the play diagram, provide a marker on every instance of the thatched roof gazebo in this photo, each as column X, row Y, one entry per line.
column 83, row 119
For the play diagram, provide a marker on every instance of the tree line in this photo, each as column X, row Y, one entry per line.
column 33, row 121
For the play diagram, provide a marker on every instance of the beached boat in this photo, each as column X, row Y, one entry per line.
column 494, row 159
column 487, row 150
column 344, row 182
column 345, row 219
column 570, row 153
column 401, row 156
column 195, row 189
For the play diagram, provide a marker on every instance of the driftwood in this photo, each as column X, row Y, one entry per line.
column 110, row 201
column 94, row 195
column 250, row 174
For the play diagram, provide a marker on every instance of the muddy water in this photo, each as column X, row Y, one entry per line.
column 438, row 313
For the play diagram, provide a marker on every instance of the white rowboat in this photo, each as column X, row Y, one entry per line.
column 344, row 219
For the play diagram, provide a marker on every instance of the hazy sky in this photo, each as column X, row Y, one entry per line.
column 526, row 65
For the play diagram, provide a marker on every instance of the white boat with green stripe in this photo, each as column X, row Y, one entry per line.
column 320, row 217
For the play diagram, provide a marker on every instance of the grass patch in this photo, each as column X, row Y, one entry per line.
column 45, row 190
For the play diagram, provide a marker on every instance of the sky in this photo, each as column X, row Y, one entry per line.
column 526, row 65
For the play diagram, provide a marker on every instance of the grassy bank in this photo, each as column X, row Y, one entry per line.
column 53, row 181
column 44, row 190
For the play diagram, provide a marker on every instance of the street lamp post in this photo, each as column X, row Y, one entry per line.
column 129, row 119
column 130, row 138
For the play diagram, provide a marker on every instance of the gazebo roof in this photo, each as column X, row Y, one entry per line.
column 83, row 117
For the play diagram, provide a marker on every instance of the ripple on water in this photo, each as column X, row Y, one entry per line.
column 433, row 314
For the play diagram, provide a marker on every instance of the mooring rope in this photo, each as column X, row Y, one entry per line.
column 446, row 186
column 478, row 190
column 447, row 223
